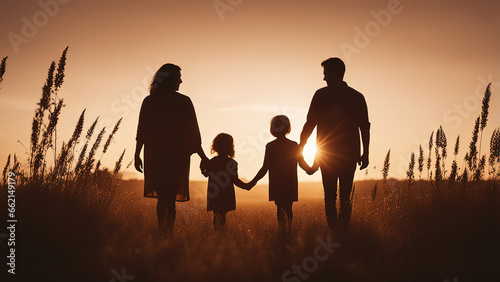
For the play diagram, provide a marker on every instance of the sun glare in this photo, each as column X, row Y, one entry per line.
column 309, row 152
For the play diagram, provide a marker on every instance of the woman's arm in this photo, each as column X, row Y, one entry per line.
column 233, row 171
column 241, row 184
column 201, row 153
column 204, row 161
column 141, row 134
column 137, row 157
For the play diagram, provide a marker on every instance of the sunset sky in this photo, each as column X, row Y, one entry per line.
column 420, row 64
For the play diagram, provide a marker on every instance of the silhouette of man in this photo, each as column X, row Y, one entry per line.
column 340, row 114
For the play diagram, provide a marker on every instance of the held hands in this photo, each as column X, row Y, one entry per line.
column 311, row 170
column 250, row 185
column 204, row 167
column 314, row 167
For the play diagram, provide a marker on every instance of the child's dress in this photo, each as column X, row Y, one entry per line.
column 281, row 158
column 220, row 194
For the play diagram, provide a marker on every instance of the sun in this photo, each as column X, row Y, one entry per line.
column 309, row 152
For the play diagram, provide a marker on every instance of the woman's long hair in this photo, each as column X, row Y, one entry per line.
column 166, row 75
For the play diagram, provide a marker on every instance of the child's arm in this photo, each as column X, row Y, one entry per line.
column 243, row 185
column 315, row 165
column 309, row 169
column 205, row 167
column 303, row 164
column 262, row 172
column 237, row 181
column 233, row 170
column 252, row 183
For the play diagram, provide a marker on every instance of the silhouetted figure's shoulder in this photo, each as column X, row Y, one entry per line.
column 339, row 89
column 282, row 152
column 161, row 96
column 172, row 108
column 345, row 100
column 281, row 142
column 221, row 163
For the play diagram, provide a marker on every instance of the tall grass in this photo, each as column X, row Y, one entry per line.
column 3, row 65
column 76, row 224
column 66, row 202
column 454, row 226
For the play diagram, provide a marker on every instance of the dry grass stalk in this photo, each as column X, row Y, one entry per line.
column 3, row 65
column 385, row 172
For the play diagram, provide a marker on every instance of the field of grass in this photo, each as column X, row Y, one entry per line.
column 61, row 238
column 80, row 222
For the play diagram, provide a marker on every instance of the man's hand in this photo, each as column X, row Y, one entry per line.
column 138, row 163
column 363, row 161
column 301, row 147
column 311, row 171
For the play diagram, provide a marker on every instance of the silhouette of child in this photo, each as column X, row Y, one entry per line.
column 222, row 173
column 281, row 158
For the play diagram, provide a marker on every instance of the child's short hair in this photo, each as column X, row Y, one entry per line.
column 223, row 144
column 280, row 126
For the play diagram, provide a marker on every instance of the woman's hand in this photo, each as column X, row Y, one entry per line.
column 363, row 161
column 138, row 163
column 204, row 167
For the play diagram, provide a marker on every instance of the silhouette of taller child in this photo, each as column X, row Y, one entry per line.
column 281, row 159
column 168, row 130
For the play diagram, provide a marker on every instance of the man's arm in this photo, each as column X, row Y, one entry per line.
column 365, row 138
column 310, row 123
column 365, row 134
column 306, row 132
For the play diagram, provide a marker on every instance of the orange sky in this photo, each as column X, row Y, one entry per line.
column 418, row 63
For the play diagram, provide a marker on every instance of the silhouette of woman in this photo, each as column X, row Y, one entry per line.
column 168, row 130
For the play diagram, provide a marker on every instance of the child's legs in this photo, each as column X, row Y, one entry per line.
column 219, row 220
column 288, row 210
column 280, row 213
column 171, row 213
column 161, row 212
